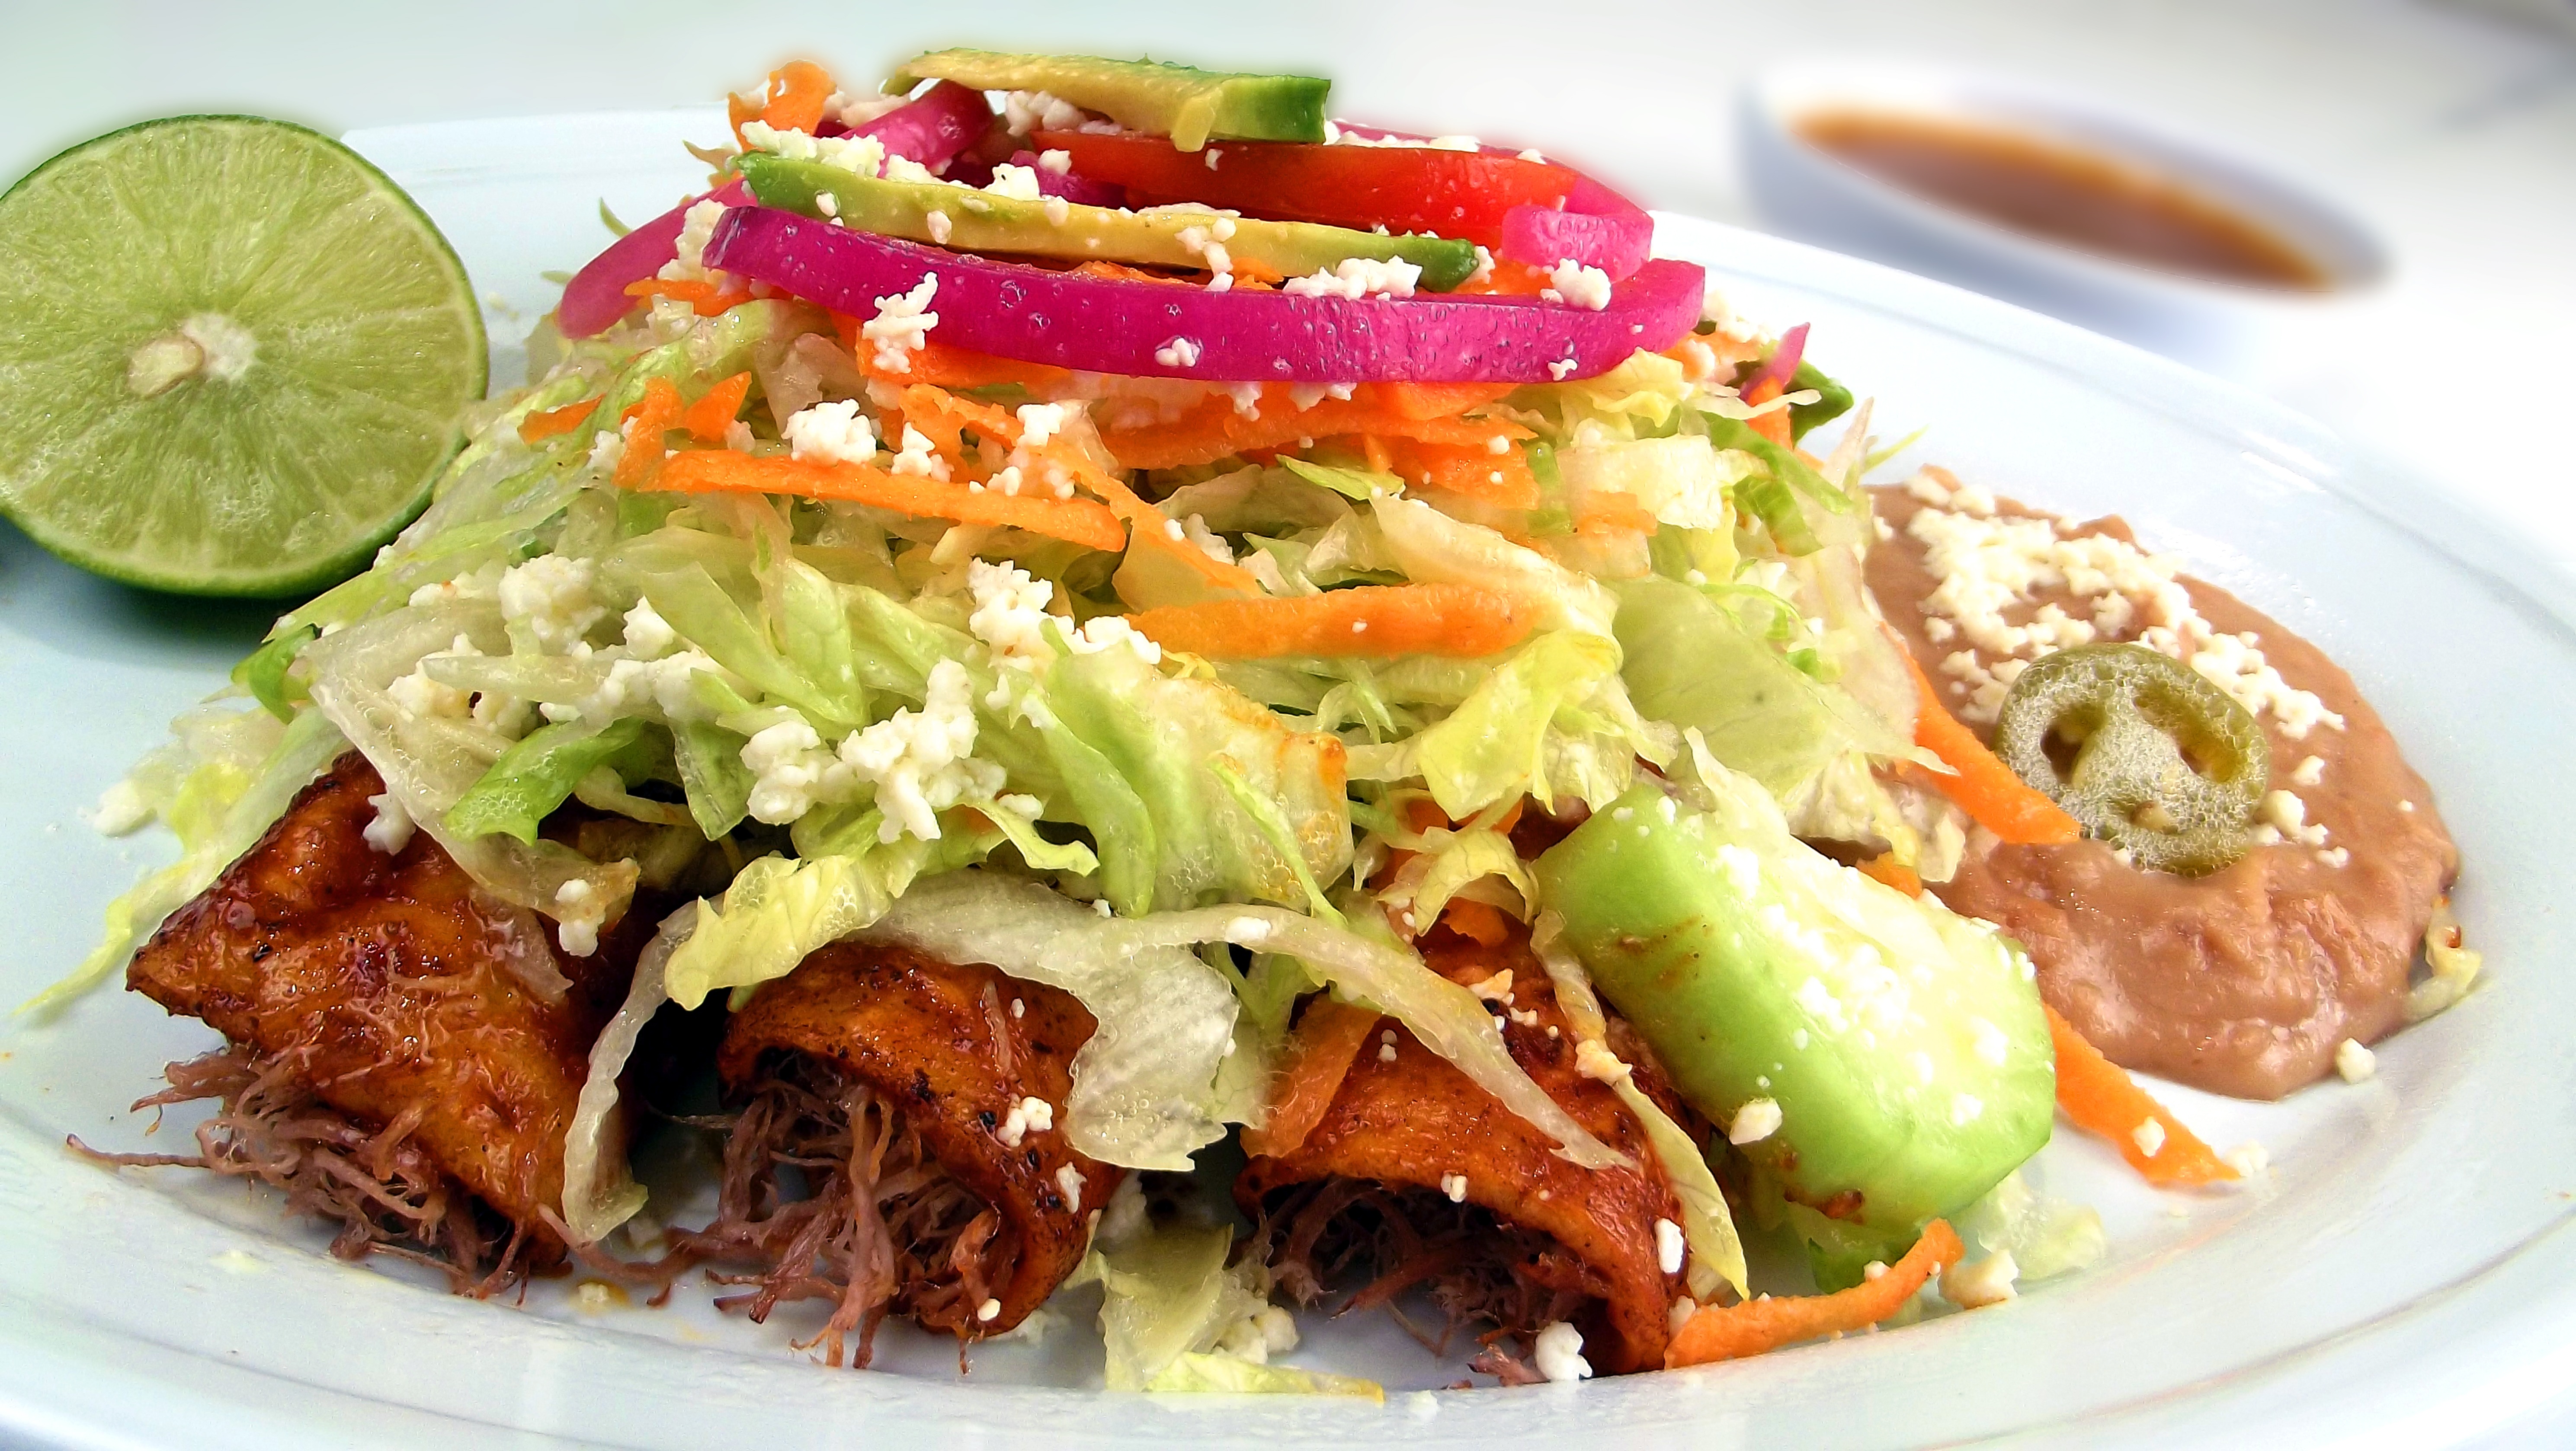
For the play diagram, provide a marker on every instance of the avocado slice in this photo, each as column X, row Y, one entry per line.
column 1190, row 106
column 1904, row 1045
column 983, row 221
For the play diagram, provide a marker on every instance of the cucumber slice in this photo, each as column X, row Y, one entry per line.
column 1903, row 1046
column 1188, row 105
column 233, row 356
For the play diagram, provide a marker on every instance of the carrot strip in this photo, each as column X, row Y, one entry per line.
column 797, row 91
column 2099, row 1097
column 1214, row 431
column 556, row 420
column 644, row 423
column 703, row 298
column 1480, row 922
column 1984, row 787
column 947, row 365
column 1430, row 400
column 709, row 417
column 1501, row 479
column 1079, row 521
column 1731, row 1332
column 1328, row 1038
column 1775, row 424
column 1884, row 867
column 1374, row 621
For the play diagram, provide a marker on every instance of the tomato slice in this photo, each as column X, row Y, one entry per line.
column 1402, row 188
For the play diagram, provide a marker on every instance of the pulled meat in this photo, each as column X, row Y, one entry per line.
column 832, row 1192
column 1374, row 1189
column 885, row 1157
column 1476, row 1267
column 386, row 1191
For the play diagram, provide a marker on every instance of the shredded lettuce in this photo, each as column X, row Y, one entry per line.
column 1144, row 1085
column 1433, row 548
column 780, row 909
column 538, row 774
column 221, row 819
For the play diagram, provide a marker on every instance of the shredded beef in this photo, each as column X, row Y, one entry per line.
column 1476, row 1268
column 833, row 1196
column 385, row 1190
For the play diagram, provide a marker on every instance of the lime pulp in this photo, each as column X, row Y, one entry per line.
column 233, row 356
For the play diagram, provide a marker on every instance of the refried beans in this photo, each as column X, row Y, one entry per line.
column 2243, row 981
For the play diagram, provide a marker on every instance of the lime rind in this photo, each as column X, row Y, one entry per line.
column 272, row 466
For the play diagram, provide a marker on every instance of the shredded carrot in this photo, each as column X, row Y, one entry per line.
column 1080, row 521
column 644, row 423
column 1509, row 279
column 1984, row 787
column 1376, row 621
column 797, row 93
column 1775, row 424
column 1501, row 479
column 1480, row 922
column 1608, row 511
column 556, row 420
column 1731, row 1332
column 947, row 365
column 703, row 298
column 2099, row 1097
column 1884, row 867
column 1216, row 430
column 1429, row 400
column 709, row 417
column 926, row 405
column 1328, row 1038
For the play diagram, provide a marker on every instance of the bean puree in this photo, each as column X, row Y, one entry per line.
column 2243, row 981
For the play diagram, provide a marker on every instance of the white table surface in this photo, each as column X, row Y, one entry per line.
column 2454, row 134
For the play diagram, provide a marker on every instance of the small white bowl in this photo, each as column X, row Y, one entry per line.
column 2227, row 327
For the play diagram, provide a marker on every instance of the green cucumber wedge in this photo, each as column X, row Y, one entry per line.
column 233, row 356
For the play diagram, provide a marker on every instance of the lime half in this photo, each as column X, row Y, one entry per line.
column 233, row 356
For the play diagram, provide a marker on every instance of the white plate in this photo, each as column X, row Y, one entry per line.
column 2403, row 1274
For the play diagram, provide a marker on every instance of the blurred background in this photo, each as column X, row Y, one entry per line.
column 2441, row 134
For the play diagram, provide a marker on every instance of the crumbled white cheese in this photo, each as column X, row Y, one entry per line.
column 578, row 913
column 392, row 827
column 648, row 635
column 1576, row 285
column 2287, row 815
column 991, row 1309
column 551, row 595
column 917, row 456
column 1561, row 367
column 697, row 224
column 1497, row 989
column 1027, row 111
column 1455, row 1187
column 939, row 226
column 421, row 698
column 1595, row 1061
column 857, row 111
column 1058, row 162
column 902, row 324
column 1107, row 632
column 607, row 450
column 1028, row 1116
column 1559, row 1354
column 1358, row 277
column 1020, row 183
column 1759, row 1119
column 1194, row 531
column 1010, row 612
column 832, row 431
column 2353, row 1062
column 2149, row 1136
column 2248, row 1159
column 919, row 761
column 1058, row 211
column 1068, row 1181
column 1178, row 353
column 1974, row 1284
column 1989, row 564
column 1669, row 1246
column 2308, row 772
column 789, row 770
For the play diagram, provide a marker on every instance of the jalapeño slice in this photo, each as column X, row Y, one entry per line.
column 2145, row 752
